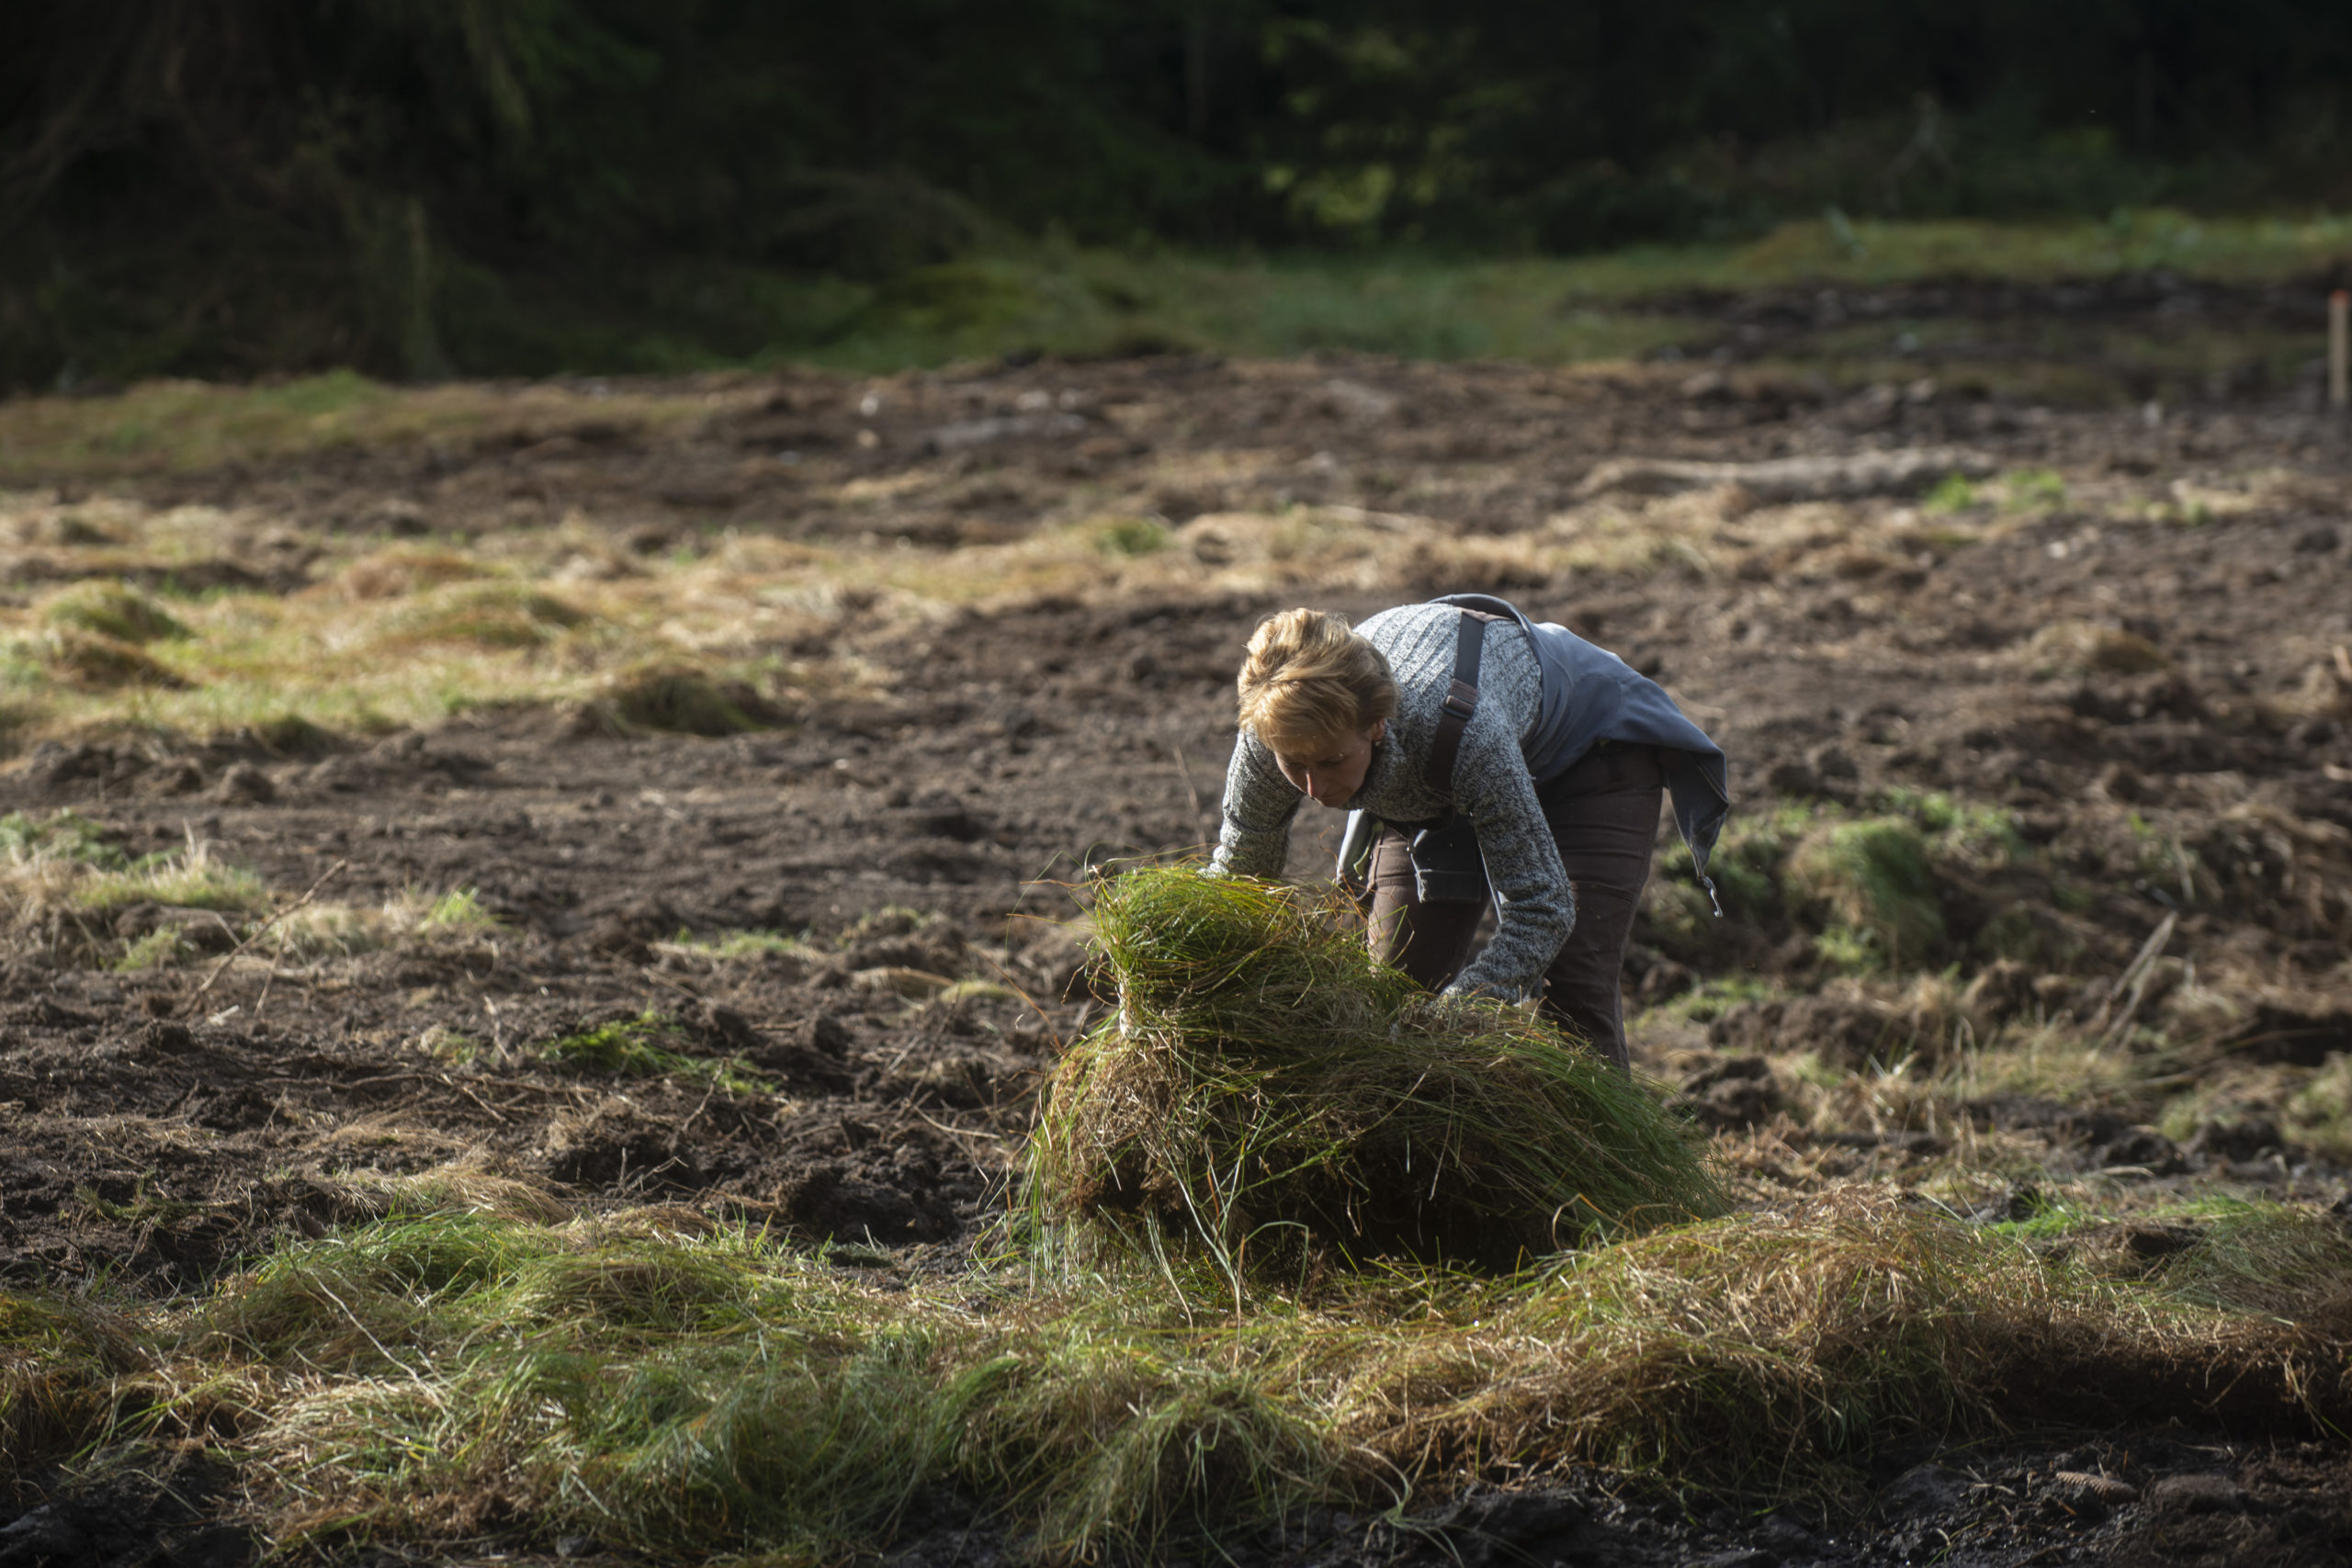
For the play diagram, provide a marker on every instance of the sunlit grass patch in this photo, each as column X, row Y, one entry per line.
column 77, row 656
column 65, row 837
column 742, row 635
column 67, row 878
column 411, row 636
column 193, row 876
column 2064, row 1063
column 110, row 610
column 458, row 911
column 733, row 946
column 498, row 614
column 659, row 1388
column 2319, row 1114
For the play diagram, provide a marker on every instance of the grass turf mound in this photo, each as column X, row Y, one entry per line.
column 1263, row 1083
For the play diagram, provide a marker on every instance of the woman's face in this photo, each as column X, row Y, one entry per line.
column 1333, row 780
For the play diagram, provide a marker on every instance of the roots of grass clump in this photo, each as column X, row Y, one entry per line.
column 1265, row 1086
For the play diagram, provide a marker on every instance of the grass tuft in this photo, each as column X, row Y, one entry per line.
column 1872, row 876
column 681, row 701
column 2087, row 648
column 492, row 614
column 1263, row 1081
column 404, row 570
column 646, row 1047
column 95, row 660
column 665, row 1389
column 111, row 610
column 458, row 911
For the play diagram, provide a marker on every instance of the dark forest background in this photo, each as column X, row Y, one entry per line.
column 427, row 187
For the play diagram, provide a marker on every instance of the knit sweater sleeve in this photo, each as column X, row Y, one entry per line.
column 1253, row 835
column 1535, row 905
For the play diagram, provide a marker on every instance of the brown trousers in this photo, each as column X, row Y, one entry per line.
column 1603, row 815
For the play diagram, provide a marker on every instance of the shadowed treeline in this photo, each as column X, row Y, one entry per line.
column 475, row 185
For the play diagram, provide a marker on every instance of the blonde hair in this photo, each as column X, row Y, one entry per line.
column 1310, row 681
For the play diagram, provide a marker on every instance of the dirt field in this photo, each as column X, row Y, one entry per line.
column 2105, row 681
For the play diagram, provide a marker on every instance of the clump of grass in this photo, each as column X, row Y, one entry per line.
column 60, row 1361
column 1132, row 537
column 63, row 837
column 1954, row 493
column 190, row 877
column 2319, row 1114
column 701, row 1388
column 2285, row 1263
column 729, row 946
column 681, row 701
column 646, row 1047
column 2033, row 489
column 65, row 879
column 2089, row 648
column 95, row 660
column 891, row 919
column 490, row 613
column 1263, row 1081
column 1966, row 832
column 1871, row 877
column 402, row 571
column 111, row 610
column 459, row 910
column 163, row 948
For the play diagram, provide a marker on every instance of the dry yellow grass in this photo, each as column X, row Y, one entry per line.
column 404, row 632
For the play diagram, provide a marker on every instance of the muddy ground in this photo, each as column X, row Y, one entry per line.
column 163, row 1125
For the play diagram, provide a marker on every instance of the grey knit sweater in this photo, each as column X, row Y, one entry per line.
column 1533, row 904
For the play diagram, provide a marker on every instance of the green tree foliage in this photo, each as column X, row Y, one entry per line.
column 245, row 184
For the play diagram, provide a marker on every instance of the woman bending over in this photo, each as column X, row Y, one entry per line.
column 1481, row 755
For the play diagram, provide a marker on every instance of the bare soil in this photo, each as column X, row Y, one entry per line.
column 157, row 1135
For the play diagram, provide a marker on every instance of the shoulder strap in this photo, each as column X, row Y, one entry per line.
column 1461, row 702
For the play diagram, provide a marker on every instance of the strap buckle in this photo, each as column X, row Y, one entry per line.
column 1461, row 700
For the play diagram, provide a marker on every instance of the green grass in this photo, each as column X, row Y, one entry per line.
column 190, row 877
column 1086, row 303
column 63, row 836
column 457, row 912
column 1263, row 1084
column 1132, row 537
column 1868, row 887
column 111, row 610
column 721, row 1394
column 491, row 614
column 646, row 1047
column 182, row 425
column 1545, row 311
column 735, row 946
